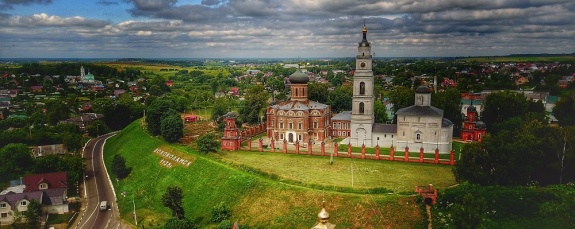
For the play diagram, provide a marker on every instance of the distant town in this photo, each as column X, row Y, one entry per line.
column 51, row 108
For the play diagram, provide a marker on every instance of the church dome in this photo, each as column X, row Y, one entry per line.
column 298, row 77
column 423, row 89
column 471, row 108
column 480, row 125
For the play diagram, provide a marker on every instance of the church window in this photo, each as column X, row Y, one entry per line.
column 479, row 136
column 290, row 125
column 314, row 124
column 435, row 132
column 378, row 138
column 418, row 119
column 385, row 136
column 299, row 126
column 403, row 133
column 392, row 136
column 281, row 125
column 299, row 137
column 281, row 136
column 418, row 137
column 403, row 118
column 344, row 133
column 362, row 88
column 229, row 123
column 361, row 108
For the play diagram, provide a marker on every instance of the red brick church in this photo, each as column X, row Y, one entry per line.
column 298, row 119
column 473, row 129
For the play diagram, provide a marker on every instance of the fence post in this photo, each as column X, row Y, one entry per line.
column 377, row 152
column 421, row 154
column 406, row 154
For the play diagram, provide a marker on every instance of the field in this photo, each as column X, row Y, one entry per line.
column 165, row 70
column 557, row 58
column 316, row 171
column 291, row 201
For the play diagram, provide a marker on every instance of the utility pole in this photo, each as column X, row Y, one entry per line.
column 135, row 216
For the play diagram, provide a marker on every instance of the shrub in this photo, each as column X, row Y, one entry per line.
column 220, row 213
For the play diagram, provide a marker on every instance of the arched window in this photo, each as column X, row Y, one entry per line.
column 418, row 136
column 479, row 136
column 361, row 108
column 362, row 88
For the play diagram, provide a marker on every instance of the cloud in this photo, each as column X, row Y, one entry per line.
column 43, row 20
column 108, row 3
column 212, row 2
column 153, row 5
column 9, row 4
column 308, row 28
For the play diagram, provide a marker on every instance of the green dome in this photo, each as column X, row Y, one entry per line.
column 298, row 77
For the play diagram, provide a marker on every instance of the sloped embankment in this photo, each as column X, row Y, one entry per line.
column 254, row 200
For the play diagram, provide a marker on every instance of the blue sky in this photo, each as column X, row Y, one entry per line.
column 283, row 28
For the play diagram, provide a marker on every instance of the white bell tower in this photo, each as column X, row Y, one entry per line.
column 362, row 117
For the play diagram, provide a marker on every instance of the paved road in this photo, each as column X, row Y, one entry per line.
column 97, row 188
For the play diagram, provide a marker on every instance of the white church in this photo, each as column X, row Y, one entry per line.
column 418, row 126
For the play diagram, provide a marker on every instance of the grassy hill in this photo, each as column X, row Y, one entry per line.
column 261, row 195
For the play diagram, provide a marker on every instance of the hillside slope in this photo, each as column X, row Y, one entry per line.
column 254, row 200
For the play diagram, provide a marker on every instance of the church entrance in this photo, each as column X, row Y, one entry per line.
column 360, row 136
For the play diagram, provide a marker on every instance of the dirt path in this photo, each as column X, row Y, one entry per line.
column 428, row 210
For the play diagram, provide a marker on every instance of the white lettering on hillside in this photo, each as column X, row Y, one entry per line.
column 172, row 157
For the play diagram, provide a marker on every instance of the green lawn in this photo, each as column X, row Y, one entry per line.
column 367, row 174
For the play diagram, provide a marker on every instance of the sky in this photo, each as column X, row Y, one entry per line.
column 283, row 28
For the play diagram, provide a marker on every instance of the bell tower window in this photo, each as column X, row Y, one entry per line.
column 361, row 108
column 362, row 88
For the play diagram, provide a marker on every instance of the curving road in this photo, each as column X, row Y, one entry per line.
column 97, row 188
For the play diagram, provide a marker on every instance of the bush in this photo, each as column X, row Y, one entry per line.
column 207, row 143
column 220, row 213
column 119, row 167
column 225, row 224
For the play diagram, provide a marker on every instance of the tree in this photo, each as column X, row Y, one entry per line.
column 172, row 199
column 207, row 143
column 500, row 106
column 401, row 97
column 317, row 92
column 33, row 214
column 221, row 107
column 564, row 110
column 97, row 128
column 450, row 102
column 379, row 111
column 475, row 165
column 172, row 126
column 16, row 161
column 156, row 111
column 177, row 223
column 340, row 99
column 119, row 167
column 469, row 213
column 72, row 142
column 254, row 103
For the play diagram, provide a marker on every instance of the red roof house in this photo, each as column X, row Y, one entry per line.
column 37, row 182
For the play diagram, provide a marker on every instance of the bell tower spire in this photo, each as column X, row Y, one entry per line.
column 362, row 116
